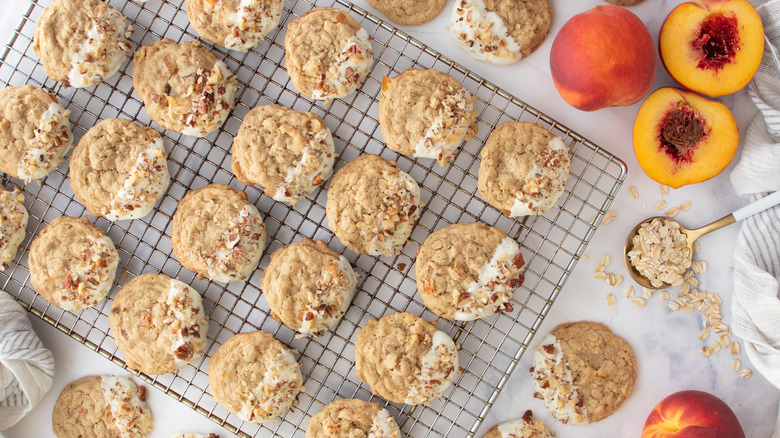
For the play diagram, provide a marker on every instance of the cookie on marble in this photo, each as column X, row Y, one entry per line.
column 405, row 359
column 234, row 24
column 102, row 407
column 72, row 263
column 287, row 152
column 308, row 287
column 81, row 42
column 372, row 206
column 328, row 55
column 426, row 113
column 409, row 12
column 118, row 169
column 583, row 372
column 255, row 377
column 35, row 132
column 468, row 271
column 500, row 31
column 525, row 427
column 352, row 418
column 524, row 169
column 184, row 86
column 13, row 224
column 158, row 323
column 217, row 233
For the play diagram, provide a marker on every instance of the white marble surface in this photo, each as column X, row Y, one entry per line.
column 665, row 342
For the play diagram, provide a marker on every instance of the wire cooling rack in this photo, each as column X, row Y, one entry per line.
column 490, row 348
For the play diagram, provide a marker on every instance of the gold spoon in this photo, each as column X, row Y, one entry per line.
column 691, row 235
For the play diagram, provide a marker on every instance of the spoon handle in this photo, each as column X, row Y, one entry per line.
column 757, row 206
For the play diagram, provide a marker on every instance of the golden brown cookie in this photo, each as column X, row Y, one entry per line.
column 101, row 407
column 328, row 55
column 409, row 12
column 34, row 132
column 81, row 42
column 468, row 271
column 217, row 233
column 255, row 377
column 372, row 206
column 352, row 418
column 405, row 359
column 158, row 323
column 72, row 263
column 524, row 169
column 308, row 287
column 234, row 24
column 426, row 113
column 13, row 224
column 583, row 372
column 185, row 87
column 525, row 427
column 500, row 31
column 289, row 153
column 118, row 170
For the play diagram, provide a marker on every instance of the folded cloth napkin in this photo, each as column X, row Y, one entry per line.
column 755, row 310
column 26, row 366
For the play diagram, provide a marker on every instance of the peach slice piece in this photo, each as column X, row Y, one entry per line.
column 713, row 47
column 683, row 138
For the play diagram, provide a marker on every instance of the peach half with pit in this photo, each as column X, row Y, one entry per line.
column 692, row 414
column 603, row 57
column 713, row 47
column 681, row 137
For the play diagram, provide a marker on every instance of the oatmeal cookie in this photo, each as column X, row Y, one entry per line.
column 525, row 427
column 583, row 372
column 158, row 323
column 372, row 206
column 255, row 377
column 102, row 407
column 81, row 42
column 217, row 233
column 426, row 113
column 500, row 31
column 409, row 12
column 328, row 54
column 468, row 271
column 34, row 132
column 524, row 169
column 13, row 224
column 185, row 87
column 234, row 24
column 405, row 359
column 349, row 418
column 72, row 263
column 118, row 170
column 289, row 153
column 308, row 286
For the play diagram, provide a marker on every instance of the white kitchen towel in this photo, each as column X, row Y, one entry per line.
column 26, row 366
column 755, row 309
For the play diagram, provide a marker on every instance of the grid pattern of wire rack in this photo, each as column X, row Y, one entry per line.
column 490, row 348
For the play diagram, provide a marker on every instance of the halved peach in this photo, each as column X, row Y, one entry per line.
column 683, row 138
column 713, row 47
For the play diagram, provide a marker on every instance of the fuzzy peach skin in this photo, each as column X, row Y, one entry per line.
column 692, row 414
column 603, row 57
column 683, row 138
column 713, row 47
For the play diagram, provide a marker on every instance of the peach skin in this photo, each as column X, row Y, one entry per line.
column 692, row 414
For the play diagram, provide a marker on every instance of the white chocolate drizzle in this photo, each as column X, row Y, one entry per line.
column 439, row 368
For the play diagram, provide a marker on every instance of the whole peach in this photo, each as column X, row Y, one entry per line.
column 603, row 57
column 692, row 414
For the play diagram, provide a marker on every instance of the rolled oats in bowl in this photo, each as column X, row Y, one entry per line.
column 660, row 252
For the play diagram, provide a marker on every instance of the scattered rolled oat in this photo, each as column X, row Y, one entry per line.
column 735, row 348
column 639, row 302
column 647, row 293
column 735, row 365
column 745, row 373
column 664, row 295
column 705, row 351
column 609, row 216
column 704, row 334
column 672, row 212
column 661, row 205
column 614, row 280
column 603, row 263
column 715, row 347
column 685, row 206
column 584, row 257
column 664, row 189
column 610, row 299
column 633, row 192
column 630, row 292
